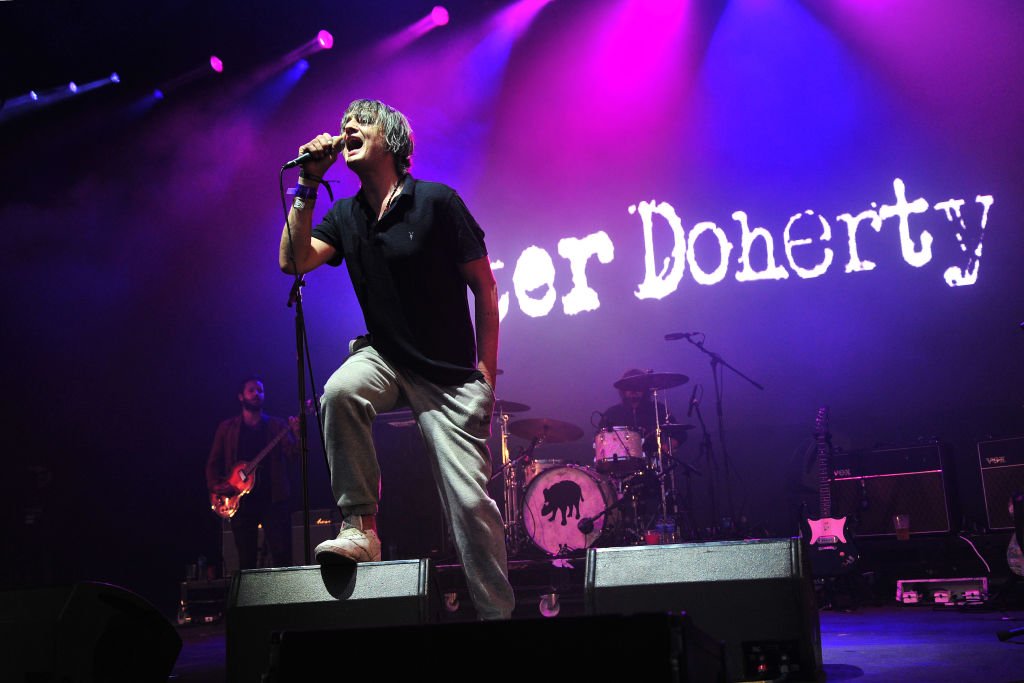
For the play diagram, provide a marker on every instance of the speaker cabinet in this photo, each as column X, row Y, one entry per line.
column 1002, row 475
column 652, row 648
column 324, row 524
column 870, row 487
column 83, row 633
column 264, row 601
column 756, row 596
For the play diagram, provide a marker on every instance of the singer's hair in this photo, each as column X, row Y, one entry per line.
column 394, row 125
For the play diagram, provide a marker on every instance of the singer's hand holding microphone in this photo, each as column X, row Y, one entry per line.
column 317, row 155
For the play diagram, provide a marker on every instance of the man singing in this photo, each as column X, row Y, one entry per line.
column 411, row 248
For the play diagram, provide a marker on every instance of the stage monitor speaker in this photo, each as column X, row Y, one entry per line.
column 756, row 596
column 651, row 648
column 84, row 633
column 1002, row 475
column 869, row 487
column 264, row 601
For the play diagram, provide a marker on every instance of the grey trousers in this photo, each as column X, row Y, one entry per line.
column 455, row 422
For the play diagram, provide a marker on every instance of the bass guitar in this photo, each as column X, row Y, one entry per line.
column 832, row 552
column 242, row 477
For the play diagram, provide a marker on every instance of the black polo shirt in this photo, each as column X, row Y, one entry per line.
column 405, row 272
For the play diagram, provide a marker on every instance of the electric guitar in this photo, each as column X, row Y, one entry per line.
column 243, row 477
column 832, row 553
column 1014, row 556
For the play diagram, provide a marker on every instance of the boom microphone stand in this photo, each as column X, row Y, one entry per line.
column 717, row 363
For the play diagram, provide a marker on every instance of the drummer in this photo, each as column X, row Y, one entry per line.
column 636, row 410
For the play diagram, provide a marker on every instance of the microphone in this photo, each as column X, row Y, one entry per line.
column 586, row 525
column 693, row 400
column 680, row 335
column 308, row 156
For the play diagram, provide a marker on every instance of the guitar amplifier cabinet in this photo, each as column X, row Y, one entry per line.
column 871, row 486
column 1002, row 475
column 324, row 524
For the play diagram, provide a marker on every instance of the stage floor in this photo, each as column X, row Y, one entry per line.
column 890, row 644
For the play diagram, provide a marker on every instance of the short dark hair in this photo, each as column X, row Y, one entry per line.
column 250, row 378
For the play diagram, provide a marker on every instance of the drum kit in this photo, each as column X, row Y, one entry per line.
column 626, row 497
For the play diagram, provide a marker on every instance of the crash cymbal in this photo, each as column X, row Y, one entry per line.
column 676, row 431
column 545, row 429
column 501, row 406
column 651, row 380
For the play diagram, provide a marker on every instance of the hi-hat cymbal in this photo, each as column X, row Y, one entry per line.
column 651, row 380
column 502, row 406
column 545, row 429
column 676, row 431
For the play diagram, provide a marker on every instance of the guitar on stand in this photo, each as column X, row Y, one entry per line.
column 831, row 552
column 1014, row 556
column 242, row 477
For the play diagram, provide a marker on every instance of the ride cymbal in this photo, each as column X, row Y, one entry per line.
column 651, row 380
column 502, row 406
column 545, row 429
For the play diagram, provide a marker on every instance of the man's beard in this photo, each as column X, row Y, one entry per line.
column 255, row 404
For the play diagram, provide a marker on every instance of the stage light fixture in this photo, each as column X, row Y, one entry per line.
column 72, row 86
column 114, row 78
column 33, row 95
column 439, row 15
column 325, row 40
column 158, row 94
column 216, row 64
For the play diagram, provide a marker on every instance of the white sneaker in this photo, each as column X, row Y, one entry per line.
column 352, row 545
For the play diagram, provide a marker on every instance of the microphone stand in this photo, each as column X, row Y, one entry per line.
column 716, row 364
column 295, row 298
column 301, row 356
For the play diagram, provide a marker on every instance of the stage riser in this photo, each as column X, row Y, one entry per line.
column 652, row 648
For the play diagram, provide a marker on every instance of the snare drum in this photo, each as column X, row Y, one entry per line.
column 619, row 451
column 555, row 502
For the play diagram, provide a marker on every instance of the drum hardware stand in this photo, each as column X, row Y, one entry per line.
column 512, row 474
column 659, row 469
column 586, row 525
column 716, row 371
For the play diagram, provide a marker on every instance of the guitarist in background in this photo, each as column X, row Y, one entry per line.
column 240, row 439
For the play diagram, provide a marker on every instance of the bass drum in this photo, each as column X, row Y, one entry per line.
column 555, row 502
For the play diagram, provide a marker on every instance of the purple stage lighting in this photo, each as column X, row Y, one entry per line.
column 325, row 40
column 33, row 95
column 114, row 78
column 158, row 94
column 439, row 15
column 216, row 64
column 72, row 86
